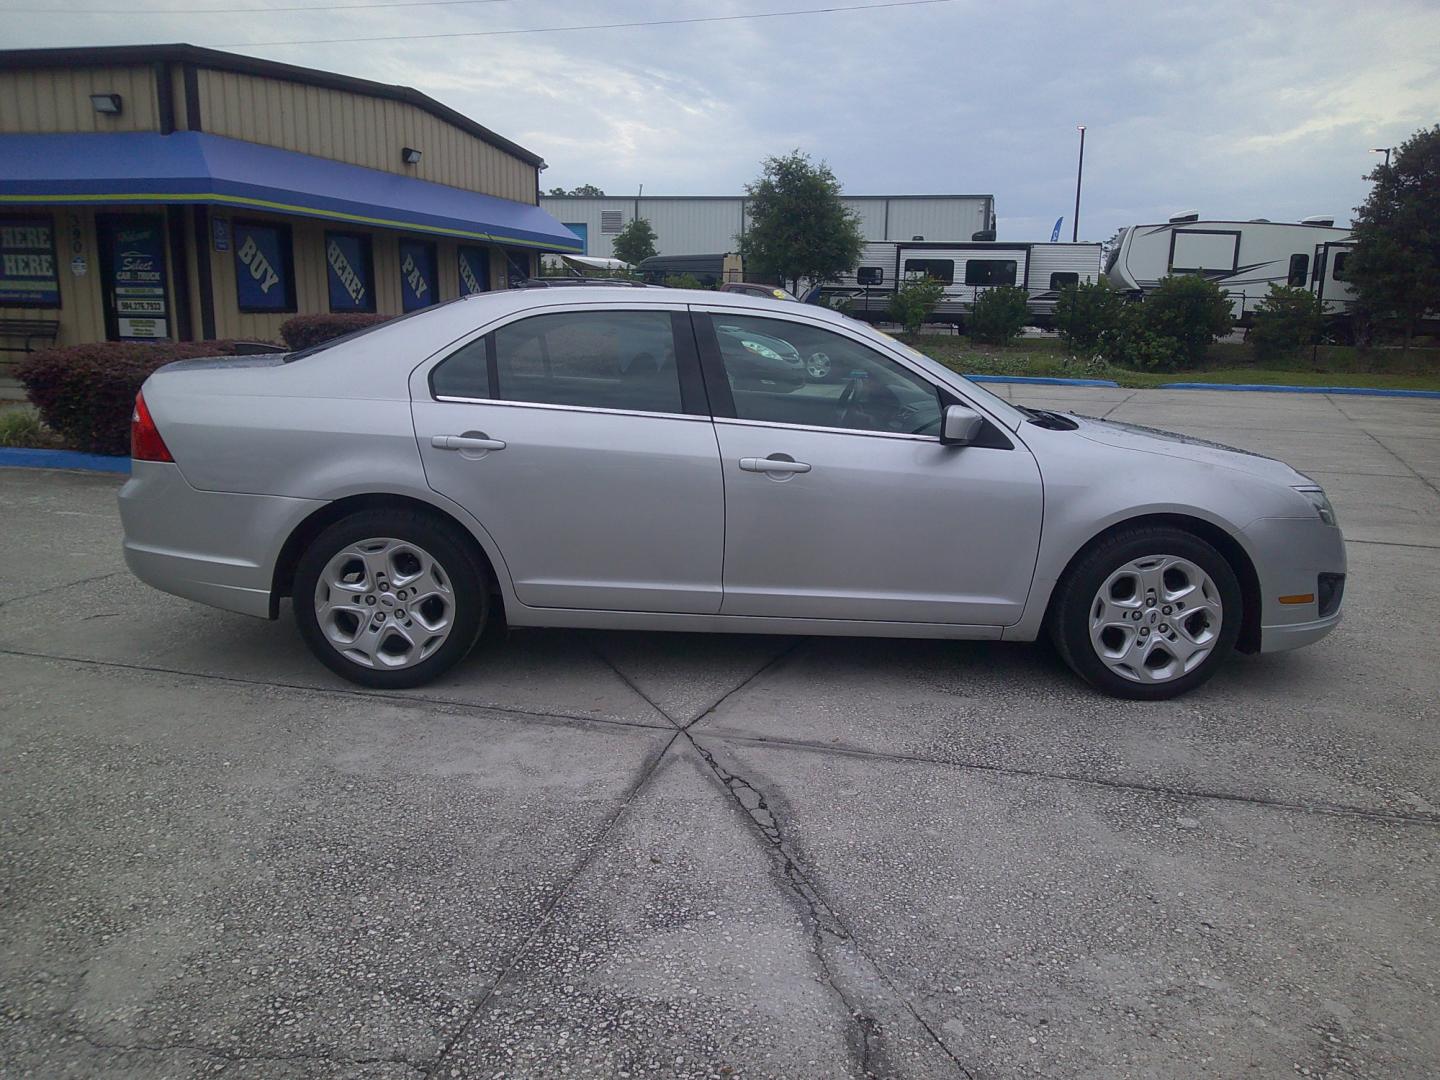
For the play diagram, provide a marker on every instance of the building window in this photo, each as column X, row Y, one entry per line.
column 352, row 271
column 1299, row 269
column 264, row 267
column 1341, row 258
column 1060, row 279
column 941, row 269
column 27, row 263
column 990, row 272
column 418, row 283
column 474, row 270
column 610, row 221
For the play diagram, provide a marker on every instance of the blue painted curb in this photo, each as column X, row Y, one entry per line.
column 62, row 459
column 1042, row 380
column 1265, row 388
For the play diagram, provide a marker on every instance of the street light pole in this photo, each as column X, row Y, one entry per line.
column 1079, row 172
column 1383, row 150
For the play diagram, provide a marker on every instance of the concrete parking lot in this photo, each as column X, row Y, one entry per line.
column 607, row 854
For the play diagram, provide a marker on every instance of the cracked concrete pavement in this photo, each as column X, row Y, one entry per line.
column 607, row 854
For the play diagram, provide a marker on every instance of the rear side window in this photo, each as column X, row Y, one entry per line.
column 1062, row 278
column 1299, row 269
column 594, row 359
column 990, row 272
column 943, row 269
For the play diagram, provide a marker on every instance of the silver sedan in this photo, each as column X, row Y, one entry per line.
column 637, row 460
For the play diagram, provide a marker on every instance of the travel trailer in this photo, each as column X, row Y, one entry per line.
column 1243, row 257
column 966, row 269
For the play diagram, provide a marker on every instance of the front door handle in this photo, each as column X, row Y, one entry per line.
column 773, row 465
column 465, row 442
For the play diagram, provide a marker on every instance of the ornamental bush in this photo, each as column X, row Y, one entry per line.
column 999, row 314
column 1084, row 312
column 1285, row 323
column 1192, row 311
column 303, row 331
column 914, row 301
column 86, row 393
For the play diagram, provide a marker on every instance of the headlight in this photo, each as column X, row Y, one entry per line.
column 1318, row 500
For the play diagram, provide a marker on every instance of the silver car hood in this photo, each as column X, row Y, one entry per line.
column 1173, row 444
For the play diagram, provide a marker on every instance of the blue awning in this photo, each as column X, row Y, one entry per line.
column 196, row 167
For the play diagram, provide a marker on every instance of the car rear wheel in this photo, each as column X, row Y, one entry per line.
column 390, row 599
column 1149, row 613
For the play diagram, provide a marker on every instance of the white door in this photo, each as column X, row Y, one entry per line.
column 580, row 441
column 841, row 502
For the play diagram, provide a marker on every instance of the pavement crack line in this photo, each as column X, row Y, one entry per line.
column 62, row 585
column 597, row 842
column 238, row 1056
column 412, row 700
column 1376, row 440
column 1333, row 809
column 835, row 946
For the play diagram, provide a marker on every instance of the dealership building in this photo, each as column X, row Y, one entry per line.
column 173, row 192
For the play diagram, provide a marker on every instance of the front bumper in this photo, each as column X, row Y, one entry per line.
column 1290, row 556
column 214, row 547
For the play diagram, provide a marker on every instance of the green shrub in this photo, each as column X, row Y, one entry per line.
column 915, row 300
column 86, row 393
column 1287, row 322
column 998, row 314
column 1192, row 311
column 1131, row 343
column 686, row 281
column 1086, row 310
column 303, row 331
column 23, row 427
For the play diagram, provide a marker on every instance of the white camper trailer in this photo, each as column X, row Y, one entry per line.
column 965, row 268
column 1243, row 257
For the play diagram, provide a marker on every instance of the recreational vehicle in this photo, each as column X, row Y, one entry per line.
column 965, row 269
column 1243, row 257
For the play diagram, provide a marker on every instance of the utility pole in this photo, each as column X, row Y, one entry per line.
column 1079, row 172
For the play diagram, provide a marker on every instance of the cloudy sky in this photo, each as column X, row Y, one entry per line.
column 1238, row 110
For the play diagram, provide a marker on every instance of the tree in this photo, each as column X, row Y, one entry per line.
column 586, row 191
column 798, row 227
column 1395, row 267
column 634, row 242
column 914, row 299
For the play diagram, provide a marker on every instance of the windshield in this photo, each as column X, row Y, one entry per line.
column 998, row 407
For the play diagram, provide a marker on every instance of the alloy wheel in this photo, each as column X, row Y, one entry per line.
column 1155, row 619
column 384, row 603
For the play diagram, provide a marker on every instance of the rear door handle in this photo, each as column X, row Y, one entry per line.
column 771, row 465
column 465, row 442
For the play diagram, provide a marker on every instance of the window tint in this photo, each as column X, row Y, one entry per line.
column 463, row 373
column 1341, row 258
column 944, row 269
column 990, row 272
column 1062, row 278
column 792, row 373
column 598, row 359
column 1299, row 269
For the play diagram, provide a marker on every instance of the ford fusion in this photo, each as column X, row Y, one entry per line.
column 659, row 460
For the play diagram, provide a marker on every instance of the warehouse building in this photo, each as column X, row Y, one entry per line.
column 709, row 224
column 173, row 192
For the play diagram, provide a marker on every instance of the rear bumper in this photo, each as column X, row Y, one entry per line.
column 213, row 547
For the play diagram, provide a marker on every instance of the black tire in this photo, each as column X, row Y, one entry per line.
column 1069, row 623
column 468, row 580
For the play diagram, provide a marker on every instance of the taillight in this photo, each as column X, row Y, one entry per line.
column 145, row 441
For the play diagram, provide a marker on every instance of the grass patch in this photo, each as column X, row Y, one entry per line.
column 1227, row 362
column 20, row 426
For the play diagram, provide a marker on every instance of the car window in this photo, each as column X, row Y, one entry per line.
column 794, row 373
column 597, row 359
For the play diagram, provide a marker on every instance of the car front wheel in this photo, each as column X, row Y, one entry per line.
column 389, row 599
column 1149, row 613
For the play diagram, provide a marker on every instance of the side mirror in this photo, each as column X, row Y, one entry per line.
column 960, row 426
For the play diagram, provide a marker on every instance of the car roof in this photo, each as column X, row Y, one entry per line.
column 504, row 301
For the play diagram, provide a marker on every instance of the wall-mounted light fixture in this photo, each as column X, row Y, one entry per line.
column 410, row 155
column 109, row 104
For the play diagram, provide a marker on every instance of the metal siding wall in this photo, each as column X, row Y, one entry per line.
column 872, row 217
column 359, row 130
column 58, row 100
column 938, row 219
column 693, row 226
